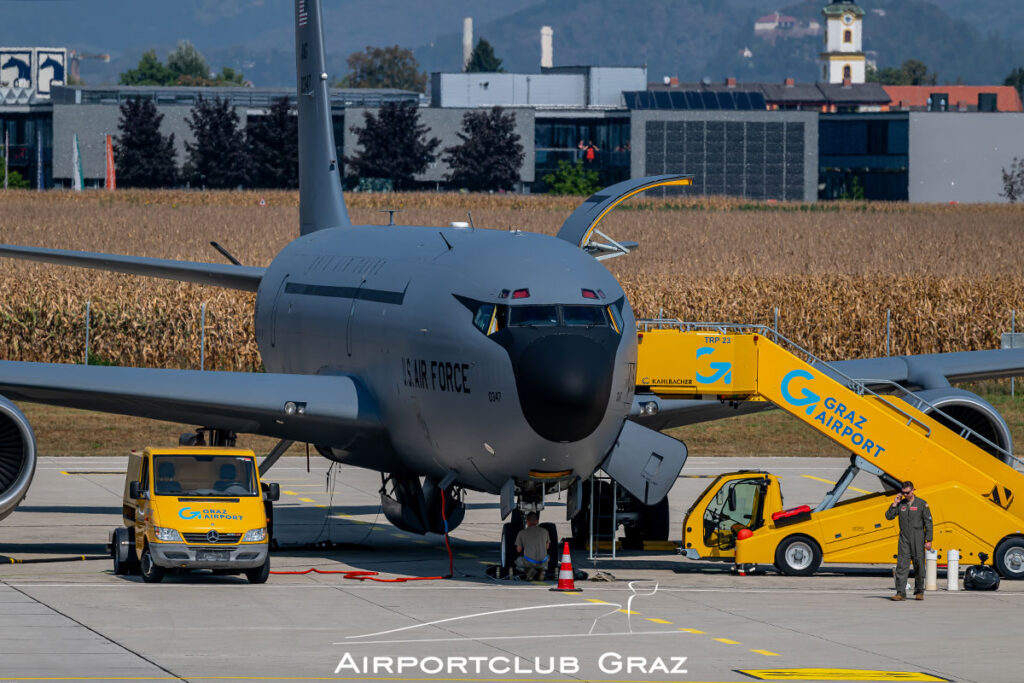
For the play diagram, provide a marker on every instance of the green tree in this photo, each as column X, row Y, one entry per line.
column 143, row 156
column 185, row 61
column 912, row 72
column 384, row 67
column 217, row 157
column 394, row 145
column 15, row 181
column 490, row 155
column 272, row 147
column 572, row 179
column 1016, row 79
column 483, row 59
column 150, row 71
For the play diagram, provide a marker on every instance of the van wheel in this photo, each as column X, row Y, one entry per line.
column 129, row 565
column 1009, row 558
column 151, row 572
column 798, row 555
column 259, row 574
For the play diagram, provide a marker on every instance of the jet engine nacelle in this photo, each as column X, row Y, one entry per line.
column 17, row 456
column 972, row 411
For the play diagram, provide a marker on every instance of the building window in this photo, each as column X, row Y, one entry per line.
column 847, row 74
column 847, row 36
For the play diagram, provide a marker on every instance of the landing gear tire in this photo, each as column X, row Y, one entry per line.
column 259, row 574
column 151, row 572
column 798, row 555
column 1009, row 558
column 509, row 531
column 554, row 552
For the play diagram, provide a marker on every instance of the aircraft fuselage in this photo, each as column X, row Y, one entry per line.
column 403, row 309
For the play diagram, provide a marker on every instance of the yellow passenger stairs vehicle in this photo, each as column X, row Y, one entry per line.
column 740, row 517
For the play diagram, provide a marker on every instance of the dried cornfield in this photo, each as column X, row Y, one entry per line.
column 949, row 274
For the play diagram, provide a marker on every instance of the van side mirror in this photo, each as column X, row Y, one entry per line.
column 273, row 492
column 135, row 490
column 732, row 499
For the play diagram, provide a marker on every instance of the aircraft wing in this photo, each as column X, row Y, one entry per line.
column 246, row 278
column 327, row 409
column 925, row 371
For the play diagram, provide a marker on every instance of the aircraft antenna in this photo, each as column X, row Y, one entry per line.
column 470, row 213
column 447, row 243
column 391, row 214
column 225, row 253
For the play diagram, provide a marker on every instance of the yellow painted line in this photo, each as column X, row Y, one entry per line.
column 728, row 642
column 422, row 542
column 307, row 500
column 626, row 611
column 322, row 506
column 290, row 493
column 467, row 555
column 766, row 653
column 692, row 630
column 852, row 488
column 597, row 602
column 342, row 515
column 836, row 675
column 658, row 621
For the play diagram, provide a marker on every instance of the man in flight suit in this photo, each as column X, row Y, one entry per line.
column 915, row 538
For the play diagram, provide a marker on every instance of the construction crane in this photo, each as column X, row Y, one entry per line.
column 76, row 58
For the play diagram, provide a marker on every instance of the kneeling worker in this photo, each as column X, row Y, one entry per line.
column 915, row 538
column 532, row 545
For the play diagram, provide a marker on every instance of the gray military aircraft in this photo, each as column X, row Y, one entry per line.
column 446, row 358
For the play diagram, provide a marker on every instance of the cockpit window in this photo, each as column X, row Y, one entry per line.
column 532, row 316
column 484, row 316
column 584, row 316
column 613, row 311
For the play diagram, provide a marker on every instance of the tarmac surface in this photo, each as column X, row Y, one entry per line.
column 75, row 620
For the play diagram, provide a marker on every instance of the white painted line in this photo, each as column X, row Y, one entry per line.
column 487, row 638
column 473, row 616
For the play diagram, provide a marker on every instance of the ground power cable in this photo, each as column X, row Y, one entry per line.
column 364, row 575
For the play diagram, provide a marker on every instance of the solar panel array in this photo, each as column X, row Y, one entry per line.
column 751, row 159
column 696, row 100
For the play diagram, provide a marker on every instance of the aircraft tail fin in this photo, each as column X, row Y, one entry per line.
column 321, row 204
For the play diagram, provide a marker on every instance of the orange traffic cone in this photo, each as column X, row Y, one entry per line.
column 566, row 583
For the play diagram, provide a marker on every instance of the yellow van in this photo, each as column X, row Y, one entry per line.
column 194, row 508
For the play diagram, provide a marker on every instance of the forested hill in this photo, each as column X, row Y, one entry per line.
column 971, row 40
column 697, row 38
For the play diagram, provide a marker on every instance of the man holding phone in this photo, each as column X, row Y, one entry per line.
column 915, row 538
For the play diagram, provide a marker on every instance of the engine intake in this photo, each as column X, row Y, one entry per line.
column 971, row 411
column 17, row 456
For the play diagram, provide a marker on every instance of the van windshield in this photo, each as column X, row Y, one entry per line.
column 203, row 475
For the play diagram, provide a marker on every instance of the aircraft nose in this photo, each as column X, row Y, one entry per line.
column 564, row 381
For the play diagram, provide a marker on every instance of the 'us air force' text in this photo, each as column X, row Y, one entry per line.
column 436, row 375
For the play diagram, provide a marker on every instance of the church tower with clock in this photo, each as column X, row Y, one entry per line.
column 843, row 58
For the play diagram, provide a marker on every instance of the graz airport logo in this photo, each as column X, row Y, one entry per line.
column 189, row 513
column 608, row 663
column 723, row 371
column 833, row 415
